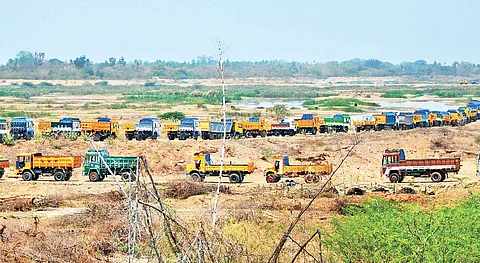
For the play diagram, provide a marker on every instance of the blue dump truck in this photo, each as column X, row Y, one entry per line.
column 391, row 119
column 147, row 128
column 420, row 118
column 22, row 128
column 188, row 128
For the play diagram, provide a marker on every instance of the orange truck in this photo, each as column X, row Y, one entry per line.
column 309, row 124
column 3, row 164
column 31, row 165
column 101, row 128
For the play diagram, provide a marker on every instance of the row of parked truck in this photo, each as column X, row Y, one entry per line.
column 151, row 127
column 95, row 164
column 98, row 164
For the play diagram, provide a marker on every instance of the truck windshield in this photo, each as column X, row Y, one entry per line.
column 389, row 159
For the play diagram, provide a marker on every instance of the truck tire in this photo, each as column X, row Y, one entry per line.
column 436, row 177
column 316, row 178
column 196, row 177
column 270, row 178
column 139, row 137
column 308, row 178
column 248, row 134
column 234, row 178
column 28, row 137
column 171, row 137
column 444, row 176
column 277, row 134
column 241, row 178
column 27, row 176
column 394, row 178
column 314, row 131
column 182, row 136
column 263, row 134
column 93, row 177
column 101, row 178
column 68, row 176
column 35, row 177
column 96, row 137
column 59, row 176
column 2, row 172
column 237, row 136
column 129, row 137
column 154, row 136
column 127, row 176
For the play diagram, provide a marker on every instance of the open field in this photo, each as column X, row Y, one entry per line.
column 81, row 221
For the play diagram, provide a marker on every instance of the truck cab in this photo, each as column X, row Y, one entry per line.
column 147, row 128
column 23, row 162
column 22, row 128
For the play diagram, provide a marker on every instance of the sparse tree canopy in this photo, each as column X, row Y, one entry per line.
column 32, row 65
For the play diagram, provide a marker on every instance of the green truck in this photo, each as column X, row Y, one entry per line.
column 97, row 169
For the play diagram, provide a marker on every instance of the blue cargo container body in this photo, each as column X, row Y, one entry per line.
column 22, row 128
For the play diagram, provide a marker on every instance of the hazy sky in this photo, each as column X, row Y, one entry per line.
column 299, row 30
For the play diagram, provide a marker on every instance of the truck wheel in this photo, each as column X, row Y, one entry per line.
column 101, row 178
column 248, row 134
column 270, row 178
column 444, row 176
column 277, row 133
column 394, row 178
column 2, row 172
column 263, row 134
column 138, row 137
column 196, row 177
column 28, row 137
column 234, row 178
column 436, row 177
column 96, row 137
column 27, row 176
column 182, row 136
column 59, row 176
column 241, row 178
column 154, row 136
column 316, row 178
column 291, row 132
column 127, row 175
column 308, row 178
column 277, row 179
column 129, row 137
column 35, row 177
column 68, row 176
column 314, row 131
column 254, row 135
column 400, row 179
column 93, row 177
column 171, row 137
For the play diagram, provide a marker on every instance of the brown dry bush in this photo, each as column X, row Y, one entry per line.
column 24, row 204
column 183, row 189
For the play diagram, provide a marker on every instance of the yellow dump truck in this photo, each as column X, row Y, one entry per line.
column 283, row 168
column 101, row 129
column 31, row 166
column 203, row 166
column 129, row 130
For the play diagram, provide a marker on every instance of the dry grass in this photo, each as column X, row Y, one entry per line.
column 183, row 189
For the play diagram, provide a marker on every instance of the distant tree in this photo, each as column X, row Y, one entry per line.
column 81, row 62
column 112, row 61
column 122, row 61
column 172, row 115
column 279, row 110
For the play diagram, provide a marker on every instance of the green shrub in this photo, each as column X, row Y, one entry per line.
column 381, row 231
column 101, row 83
column 28, row 85
column 172, row 115
column 8, row 140
column 150, row 84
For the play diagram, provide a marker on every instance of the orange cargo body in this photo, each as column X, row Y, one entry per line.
column 128, row 126
column 251, row 126
column 44, row 126
column 4, row 163
column 57, row 161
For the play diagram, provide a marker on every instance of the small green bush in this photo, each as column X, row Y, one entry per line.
column 101, row 83
column 172, row 115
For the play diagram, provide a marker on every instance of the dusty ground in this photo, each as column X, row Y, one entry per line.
column 167, row 160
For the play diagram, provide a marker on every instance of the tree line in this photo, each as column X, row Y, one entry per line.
column 35, row 65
